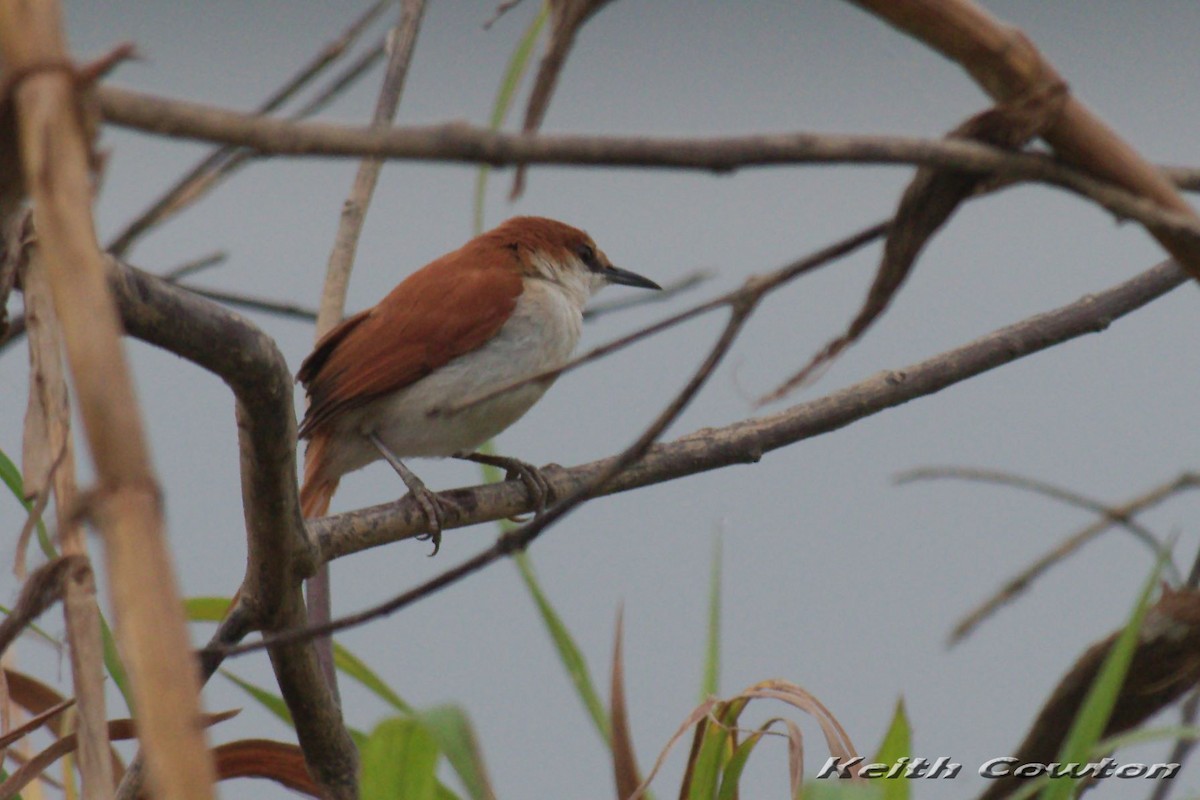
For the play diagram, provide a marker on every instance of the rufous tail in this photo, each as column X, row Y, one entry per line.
column 317, row 490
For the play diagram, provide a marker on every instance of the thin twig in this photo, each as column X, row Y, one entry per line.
column 1022, row 581
column 401, row 42
column 186, row 186
column 289, row 310
column 189, row 268
column 1112, row 514
column 501, row 10
column 354, row 210
column 462, row 143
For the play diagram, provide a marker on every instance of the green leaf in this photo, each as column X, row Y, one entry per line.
column 1145, row 736
column 737, row 762
column 712, row 659
column 206, row 609
column 3, row 777
column 272, row 702
column 517, row 64
column 706, row 769
column 11, row 475
column 1089, row 723
column 714, row 753
column 568, row 652
column 114, row 664
column 354, row 667
column 399, row 761
column 452, row 729
column 896, row 744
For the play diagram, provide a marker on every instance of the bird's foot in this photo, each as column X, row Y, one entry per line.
column 539, row 488
column 432, row 506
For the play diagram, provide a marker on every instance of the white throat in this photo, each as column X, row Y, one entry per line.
column 571, row 277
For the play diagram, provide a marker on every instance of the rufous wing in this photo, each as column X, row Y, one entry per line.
column 443, row 310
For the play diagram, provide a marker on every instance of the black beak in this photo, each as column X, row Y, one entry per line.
column 627, row 278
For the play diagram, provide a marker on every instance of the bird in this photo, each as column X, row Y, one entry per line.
column 506, row 306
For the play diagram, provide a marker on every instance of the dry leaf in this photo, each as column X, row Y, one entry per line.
column 1165, row 666
column 930, row 199
column 625, row 769
column 264, row 758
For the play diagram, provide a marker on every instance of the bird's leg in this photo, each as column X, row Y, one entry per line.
column 528, row 474
column 432, row 505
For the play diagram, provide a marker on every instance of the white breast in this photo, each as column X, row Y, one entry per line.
column 541, row 334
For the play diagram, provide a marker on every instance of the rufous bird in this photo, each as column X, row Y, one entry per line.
column 506, row 306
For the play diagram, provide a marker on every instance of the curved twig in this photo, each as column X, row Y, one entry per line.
column 1113, row 515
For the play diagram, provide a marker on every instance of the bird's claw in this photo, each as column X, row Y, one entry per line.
column 432, row 507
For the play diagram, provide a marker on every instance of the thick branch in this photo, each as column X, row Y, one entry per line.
column 278, row 551
column 464, row 143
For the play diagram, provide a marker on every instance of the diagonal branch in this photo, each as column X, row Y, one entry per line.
column 1020, row 582
column 746, row 441
column 1112, row 515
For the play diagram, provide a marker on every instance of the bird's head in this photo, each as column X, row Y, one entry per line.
column 554, row 251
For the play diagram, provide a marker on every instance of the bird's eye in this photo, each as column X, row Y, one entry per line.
column 587, row 254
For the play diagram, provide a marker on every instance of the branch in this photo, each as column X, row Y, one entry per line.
column 746, row 441
column 279, row 552
column 1112, row 515
column 1006, row 64
column 459, row 142
column 260, row 304
column 354, row 210
column 462, row 143
column 401, row 41
column 1025, row 578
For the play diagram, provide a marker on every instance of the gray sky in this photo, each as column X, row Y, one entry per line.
column 834, row 578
